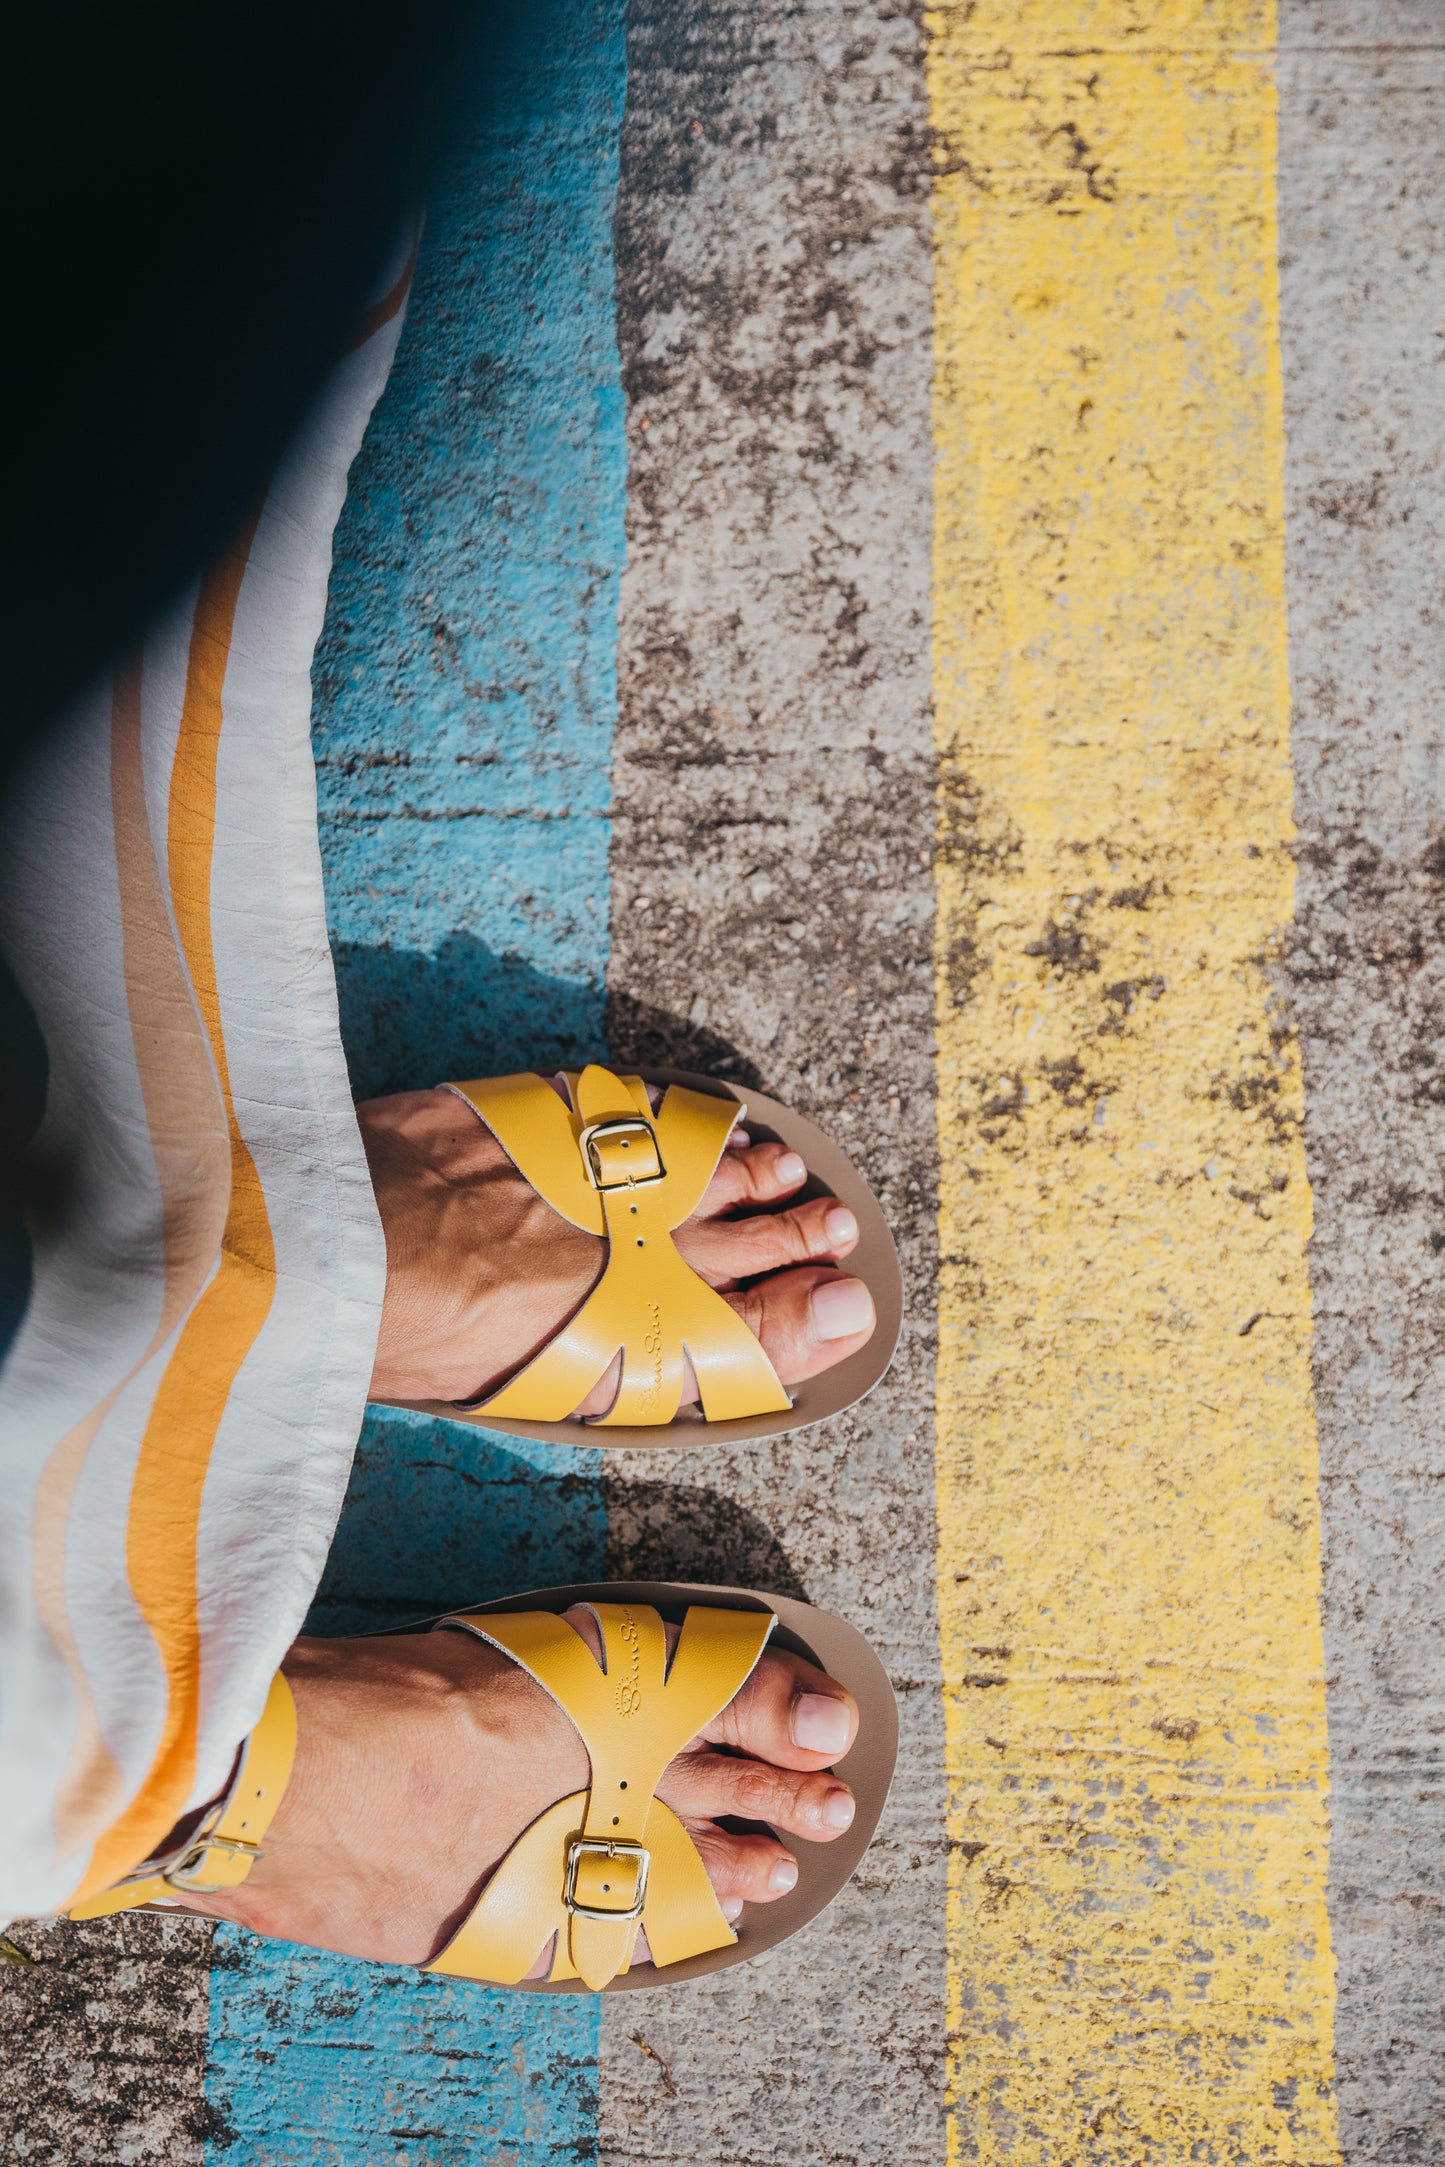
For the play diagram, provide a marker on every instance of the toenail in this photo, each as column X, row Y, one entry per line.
column 841, row 1226
column 838, row 1810
column 791, row 1168
column 841, row 1307
column 732, row 1909
column 819, row 1725
column 783, row 1877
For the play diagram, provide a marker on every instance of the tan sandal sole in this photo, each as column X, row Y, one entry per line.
column 874, row 1261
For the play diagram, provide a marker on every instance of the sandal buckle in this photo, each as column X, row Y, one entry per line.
column 625, row 1131
column 183, row 1874
column 588, row 1847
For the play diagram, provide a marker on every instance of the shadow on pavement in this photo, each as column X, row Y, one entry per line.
column 658, row 1532
column 410, row 1020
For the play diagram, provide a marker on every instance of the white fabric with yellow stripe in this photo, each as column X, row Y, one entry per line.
column 181, row 1398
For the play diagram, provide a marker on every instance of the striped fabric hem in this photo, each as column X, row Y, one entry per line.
column 180, row 1404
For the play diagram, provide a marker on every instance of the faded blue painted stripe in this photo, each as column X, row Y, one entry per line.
column 467, row 680
column 439, row 1514
column 466, row 698
column 352, row 2065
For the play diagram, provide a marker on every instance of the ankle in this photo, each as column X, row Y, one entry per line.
column 420, row 1758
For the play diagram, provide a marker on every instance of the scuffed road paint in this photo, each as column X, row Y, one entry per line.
column 1129, row 1524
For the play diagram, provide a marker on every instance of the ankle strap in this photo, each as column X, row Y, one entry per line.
column 221, row 1852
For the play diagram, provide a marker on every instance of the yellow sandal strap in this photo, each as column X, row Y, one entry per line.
column 613, row 1167
column 597, row 1865
column 221, row 1856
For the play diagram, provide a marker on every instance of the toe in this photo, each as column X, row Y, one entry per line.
column 790, row 1713
column 752, row 1174
column 727, row 1250
column 713, row 1786
column 745, row 1869
column 807, row 1319
column 786, row 1728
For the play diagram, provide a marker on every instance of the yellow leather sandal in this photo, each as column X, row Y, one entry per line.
column 631, row 1175
column 606, row 1862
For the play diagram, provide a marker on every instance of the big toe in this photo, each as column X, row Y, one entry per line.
column 807, row 1319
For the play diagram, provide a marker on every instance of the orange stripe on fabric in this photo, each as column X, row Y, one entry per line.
column 91, row 1785
column 188, row 1137
column 221, row 1329
column 390, row 304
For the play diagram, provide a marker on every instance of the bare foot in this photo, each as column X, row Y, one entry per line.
column 422, row 1757
column 481, row 1272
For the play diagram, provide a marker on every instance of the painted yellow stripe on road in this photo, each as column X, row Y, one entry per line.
column 1129, row 1563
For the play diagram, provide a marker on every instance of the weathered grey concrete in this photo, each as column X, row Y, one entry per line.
column 104, row 2048
column 772, row 896
column 1362, row 206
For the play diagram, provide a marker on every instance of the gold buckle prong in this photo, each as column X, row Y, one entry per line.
column 606, row 1847
column 180, row 1876
column 618, row 1125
